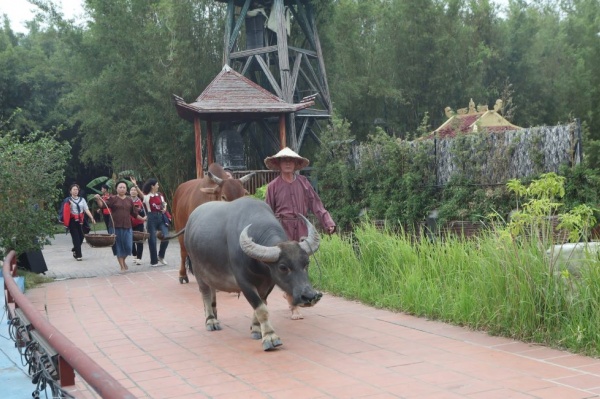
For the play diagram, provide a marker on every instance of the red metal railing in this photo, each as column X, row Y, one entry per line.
column 70, row 357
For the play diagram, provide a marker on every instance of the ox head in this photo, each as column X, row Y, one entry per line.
column 288, row 262
column 227, row 189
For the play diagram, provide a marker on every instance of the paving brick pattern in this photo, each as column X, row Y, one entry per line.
column 147, row 330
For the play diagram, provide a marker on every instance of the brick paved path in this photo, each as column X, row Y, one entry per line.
column 148, row 331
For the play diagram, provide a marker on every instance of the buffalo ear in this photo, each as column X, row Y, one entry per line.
column 209, row 190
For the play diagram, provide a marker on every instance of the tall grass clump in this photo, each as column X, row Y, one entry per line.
column 505, row 284
column 489, row 283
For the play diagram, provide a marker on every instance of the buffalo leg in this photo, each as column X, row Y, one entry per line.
column 209, row 297
column 255, row 332
column 270, row 340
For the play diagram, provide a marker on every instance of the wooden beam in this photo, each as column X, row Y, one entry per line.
column 238, row 26
column 246, row 66
column 282, row 51
column 254, row 51
column 209, row 143
column 304, row 51
column 198, row 137
column 293, row 142
column 302, row 133
column 295, row 70
column 270, row 77
column 228, row 24
column 300, row 16
column 282, row 143
column 316, row 79
column 326, row 94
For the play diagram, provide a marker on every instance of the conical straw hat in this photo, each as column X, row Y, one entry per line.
column 272, row 162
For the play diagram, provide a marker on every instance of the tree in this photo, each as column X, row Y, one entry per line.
column 31, row 170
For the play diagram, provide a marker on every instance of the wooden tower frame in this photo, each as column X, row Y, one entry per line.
column 293, row 73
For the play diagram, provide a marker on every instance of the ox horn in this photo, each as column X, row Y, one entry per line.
column 310, row 244
column 257, row 251
column 215, row 179
column 244, row 179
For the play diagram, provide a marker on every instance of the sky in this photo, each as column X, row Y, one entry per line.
column 19, row 11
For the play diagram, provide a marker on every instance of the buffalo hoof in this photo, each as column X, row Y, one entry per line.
column 183, row 279
column 271, row 342
column 213, row 325
column 255, row 332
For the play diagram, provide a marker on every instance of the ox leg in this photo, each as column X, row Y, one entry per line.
column 183, row 277
column 209, row 297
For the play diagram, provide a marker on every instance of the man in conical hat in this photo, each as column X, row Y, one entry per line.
column 291, row 194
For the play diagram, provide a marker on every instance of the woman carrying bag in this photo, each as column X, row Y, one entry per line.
column 137, row 225
column 74, row 210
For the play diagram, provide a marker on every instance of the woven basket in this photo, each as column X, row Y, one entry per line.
column 100, row 240
column 140, row 236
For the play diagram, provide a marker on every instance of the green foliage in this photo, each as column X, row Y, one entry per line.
column 534, row 218
column 339, row 184
column 261, row 192
column 582, row 186
column 31, row 170
column 488, row 284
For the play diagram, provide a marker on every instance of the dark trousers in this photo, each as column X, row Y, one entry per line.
column 155, row 223
column 138, row 247
column 76, row 236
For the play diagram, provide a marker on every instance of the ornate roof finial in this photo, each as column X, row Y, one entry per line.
column 498, row 105
column 471, row 106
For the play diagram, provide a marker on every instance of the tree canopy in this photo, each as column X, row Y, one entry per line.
column 107, row 82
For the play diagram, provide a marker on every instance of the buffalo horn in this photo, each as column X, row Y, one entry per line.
column 257, row 251
column 215, row 179
column 311, row 243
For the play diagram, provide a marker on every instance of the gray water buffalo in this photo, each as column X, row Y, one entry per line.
column 240, row 246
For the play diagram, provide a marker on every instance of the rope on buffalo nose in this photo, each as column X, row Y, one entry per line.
column 317, row 262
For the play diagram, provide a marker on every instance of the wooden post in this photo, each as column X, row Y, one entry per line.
column 282, row 143
column 228, row 25
column 209, row 143
column 198, row 137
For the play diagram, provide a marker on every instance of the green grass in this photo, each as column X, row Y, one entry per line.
column 489, row 283
column 33, row 280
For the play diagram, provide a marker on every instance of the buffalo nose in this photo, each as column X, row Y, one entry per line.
column 312, row 299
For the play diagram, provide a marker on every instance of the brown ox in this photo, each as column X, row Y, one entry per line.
column 215, row 186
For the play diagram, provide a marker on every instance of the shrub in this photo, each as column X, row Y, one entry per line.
column 31, row 171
